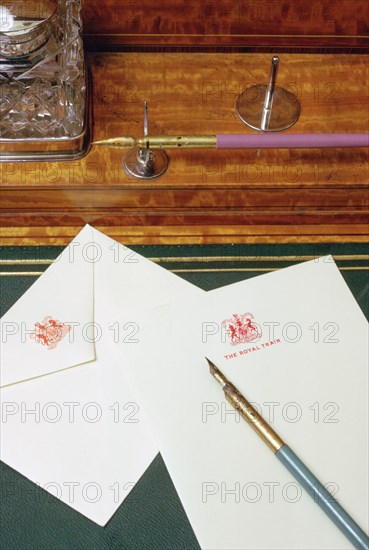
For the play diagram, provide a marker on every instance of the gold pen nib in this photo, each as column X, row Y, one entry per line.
column 218, row 375
column 117, row 143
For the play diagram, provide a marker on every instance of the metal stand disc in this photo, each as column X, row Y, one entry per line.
column 285, row 109
column 136, row 166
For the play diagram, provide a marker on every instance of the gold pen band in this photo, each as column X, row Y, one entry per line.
column 178, row 142
column 250, row 414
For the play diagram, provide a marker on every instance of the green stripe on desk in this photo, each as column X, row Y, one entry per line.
column 207, row 266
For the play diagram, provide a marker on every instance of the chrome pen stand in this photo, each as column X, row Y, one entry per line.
column 143, row 162
column 44, row 88
column 268, row 108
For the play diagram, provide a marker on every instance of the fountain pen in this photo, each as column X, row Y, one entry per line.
column 291, row 461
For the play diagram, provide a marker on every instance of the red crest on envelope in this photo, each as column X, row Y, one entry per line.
column 50, row 332
column 241, row 328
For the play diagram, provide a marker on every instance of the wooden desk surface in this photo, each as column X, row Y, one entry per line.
column 206, row 196
column 252, row 25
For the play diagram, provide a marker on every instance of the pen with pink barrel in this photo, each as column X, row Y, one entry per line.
column 240, row 141
column 291, row 141
column 292, row 462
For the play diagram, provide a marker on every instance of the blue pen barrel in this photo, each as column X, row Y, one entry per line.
column 323, row 497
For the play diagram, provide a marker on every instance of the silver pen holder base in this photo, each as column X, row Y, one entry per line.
column 145, row 163
column 285, row 109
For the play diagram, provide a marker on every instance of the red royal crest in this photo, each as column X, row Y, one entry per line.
column 49, row 332
column 241, row 329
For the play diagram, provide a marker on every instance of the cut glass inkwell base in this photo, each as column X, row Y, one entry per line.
column 44, row 88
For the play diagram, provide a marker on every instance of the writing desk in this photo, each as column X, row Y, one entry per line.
column 190, row 60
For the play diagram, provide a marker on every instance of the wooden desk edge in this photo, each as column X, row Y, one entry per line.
column 177, row 235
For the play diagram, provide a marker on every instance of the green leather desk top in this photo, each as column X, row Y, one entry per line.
column 152, row 516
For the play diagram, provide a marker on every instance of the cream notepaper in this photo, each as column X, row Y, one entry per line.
column 295, row 342
column 70, row 420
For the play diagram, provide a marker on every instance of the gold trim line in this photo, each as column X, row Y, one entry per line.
column 210, row 259
column 215, row 270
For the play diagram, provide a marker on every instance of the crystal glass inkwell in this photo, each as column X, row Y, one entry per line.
column 44, row 99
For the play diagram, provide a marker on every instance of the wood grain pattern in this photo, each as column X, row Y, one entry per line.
column 206, row 195
column 178, row 235
column 228, row 23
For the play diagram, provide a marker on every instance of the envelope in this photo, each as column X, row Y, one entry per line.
column 70, row 420
column 295, row 343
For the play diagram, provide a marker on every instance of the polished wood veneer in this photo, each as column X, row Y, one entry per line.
column 251, row 24
column 206, row 196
